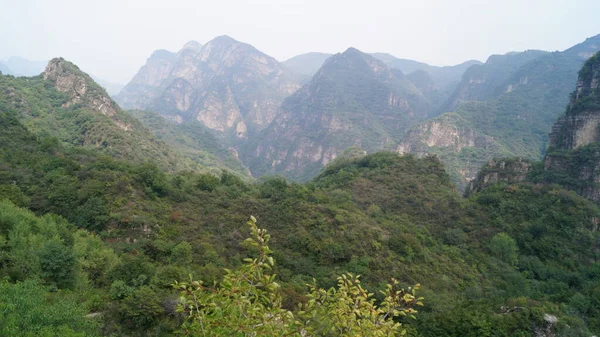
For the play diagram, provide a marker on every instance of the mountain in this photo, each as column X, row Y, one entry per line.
column 407, row 66
column 24, row 67
column 111, row 235
column 573, row 156
column 488, row 80
column 4, row 69
column 446, row 78
column 306, row 64
column 229, row 86
column 504, row 108
column 353, row 100
column 192, row 140
column 66, row 104
column 110, row 87
column 142, row 89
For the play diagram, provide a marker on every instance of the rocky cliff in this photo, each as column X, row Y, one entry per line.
column 82, row 91
column 65, row 104
column 573, row 158
column 504, row 108
column 450, row 137
column 483, row 81
column 505, row 170
column 229, row 86
column 353, row 100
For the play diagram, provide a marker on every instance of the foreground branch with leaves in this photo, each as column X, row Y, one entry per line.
column 247, row 302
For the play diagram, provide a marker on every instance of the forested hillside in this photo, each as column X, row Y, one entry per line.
column 505, row 107
column 492, row 265
column 112, row 225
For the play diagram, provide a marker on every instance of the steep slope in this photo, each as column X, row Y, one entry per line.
column 424, row 81
column 446, row 78
column 573, row 157
column 353, row 100
column 306, row 64
column 488, row 80
column 407, row 66
column 4, row 69
column 227, row 85
column 519, row 104
column 143, row 88
column 194, row 141
column 66, row 104
column 383, row 215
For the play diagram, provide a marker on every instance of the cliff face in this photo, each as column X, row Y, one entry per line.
column 574, row 155
column 483, row 81
column 504, row 108
column 449, row 136
column 500, row 170
column 146, row 83
column 353, row 100
column 227, row 85
column 82, row 90
column 579, row 126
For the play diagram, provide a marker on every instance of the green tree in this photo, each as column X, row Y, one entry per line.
column 58, row 265
column 28, row 310
column 141, row 309
column 247, row 302
column 505, row 248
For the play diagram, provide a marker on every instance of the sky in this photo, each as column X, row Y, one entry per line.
column 113, row 38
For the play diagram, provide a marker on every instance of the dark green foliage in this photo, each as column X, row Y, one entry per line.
column 141, row 309
column 193, row 140
column 587, row 98
column 506, row 108
column 381, row 215
column 57, row 265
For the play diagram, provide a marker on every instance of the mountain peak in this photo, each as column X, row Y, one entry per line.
column 58, row 68
column 587, row 94
column 352, row 51
column 224, row 39
column 193, row 45
column 80, row 87
column 163, row 54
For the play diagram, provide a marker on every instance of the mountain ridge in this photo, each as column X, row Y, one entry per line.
column 329, row 114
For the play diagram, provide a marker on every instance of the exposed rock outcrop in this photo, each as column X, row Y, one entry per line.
column 500, row 170
column 462, row 149
column 483, row 81
column 353, row 100
column 504, row 108
column 82, row 90
column 573, row 158
column 227, row 85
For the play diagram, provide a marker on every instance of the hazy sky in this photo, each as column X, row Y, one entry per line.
column 113, row 38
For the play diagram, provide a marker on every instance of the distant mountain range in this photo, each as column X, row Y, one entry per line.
column 502, row 108
column 293, row 117
column 251, row 102
column 353, row 100
column 445, row 77
column 229, row 86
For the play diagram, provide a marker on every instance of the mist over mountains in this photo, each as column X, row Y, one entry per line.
column 250, row 102
column 479, row 182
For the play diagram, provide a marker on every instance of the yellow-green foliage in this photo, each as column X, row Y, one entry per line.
column 247, row 302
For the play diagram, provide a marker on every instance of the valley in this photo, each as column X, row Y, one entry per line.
column 222, row 192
